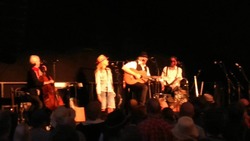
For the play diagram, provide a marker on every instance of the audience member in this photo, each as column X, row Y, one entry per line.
column 65, row 118
column 185, row 130
column 93, row 126
column 22, row 133
column 39, row 125
column 64, row 133
column 245, row 103
column 169, row 115
column 6, row 125
column 113, row 125
column 154, row 127
column 188, row 109
column 235, row 128
column 214, row 122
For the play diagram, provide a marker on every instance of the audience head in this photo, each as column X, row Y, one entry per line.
column 235, row 112
column 187, row 109
column 244, row 102
column 22, row 133
column 64, row 133
column 185, row 129
column 209, row 98
column 93, row 110
column 168, row 114
column 62, row 116
column 39, row 118
column 133, row 103
column 115, row 120
column 153, row 106
column 214, row 121
column 131, row 133
column 5, row 124
column 138, row 114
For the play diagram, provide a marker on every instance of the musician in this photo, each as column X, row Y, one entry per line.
column 171, row 76
column 104, row 84
column 34, row 85
column 135, row 69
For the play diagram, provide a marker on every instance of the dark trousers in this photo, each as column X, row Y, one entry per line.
column 139, row 91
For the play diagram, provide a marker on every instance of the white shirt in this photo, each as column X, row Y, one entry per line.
column 133, row 65
column 104, row 81
column 169, row 74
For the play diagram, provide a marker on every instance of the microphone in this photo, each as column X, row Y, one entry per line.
column 152, row 58
column 179, row 62
column 217, row 62
column 238, row 65
column 113, row 65
column 43, row 62
column 199, row 72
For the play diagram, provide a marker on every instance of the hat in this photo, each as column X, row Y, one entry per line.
column 185, row 129
column 209, row 98
column 244, row 101
column 101, row 58
column 62, row 115
column 143, row 54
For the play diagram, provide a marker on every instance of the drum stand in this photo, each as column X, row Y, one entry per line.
column 149, row 89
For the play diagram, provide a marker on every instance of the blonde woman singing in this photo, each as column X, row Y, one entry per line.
column 104, row 84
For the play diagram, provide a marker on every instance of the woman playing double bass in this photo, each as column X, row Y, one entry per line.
column 36, row 83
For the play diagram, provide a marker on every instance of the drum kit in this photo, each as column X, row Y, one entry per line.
column 181, row 95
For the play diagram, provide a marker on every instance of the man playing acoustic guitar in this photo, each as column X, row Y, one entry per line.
column 136, row 75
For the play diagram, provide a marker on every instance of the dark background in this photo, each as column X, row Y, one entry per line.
column 71, row 34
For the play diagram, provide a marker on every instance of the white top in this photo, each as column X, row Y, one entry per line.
column 133, row 65
column 104, row 81
column 169, row 74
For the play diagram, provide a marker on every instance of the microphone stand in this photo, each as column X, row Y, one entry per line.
column 239, row 86
column 158, row 70
column 229, row 82
column 114, row 66
column 157, row 89
column 54, row 69
column 246, row 78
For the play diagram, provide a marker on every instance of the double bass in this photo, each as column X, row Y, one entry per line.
column 51, row 98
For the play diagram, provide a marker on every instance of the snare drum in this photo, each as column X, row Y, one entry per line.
column 181, row 96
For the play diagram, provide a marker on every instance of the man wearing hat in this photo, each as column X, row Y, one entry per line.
column 136, row 74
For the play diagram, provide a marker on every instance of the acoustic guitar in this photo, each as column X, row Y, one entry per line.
column 131, row 79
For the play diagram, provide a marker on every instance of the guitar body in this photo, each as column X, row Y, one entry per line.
column 130, row 79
